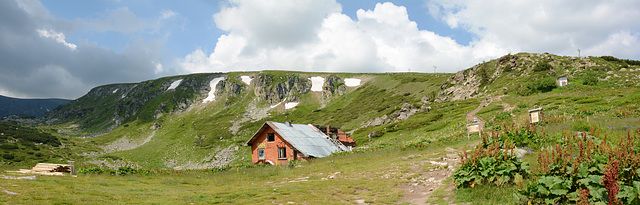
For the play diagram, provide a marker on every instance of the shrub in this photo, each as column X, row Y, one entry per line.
column 508, row 68
column 542, row 66
column 608, row 172
column 502, row 116
column 483, row 72
column 91, row 170
column 492, row 163
column 523, row 105
column 8, row 146
column 541, row 85
column 526, row 136
column 589, row 78
column 8, row 156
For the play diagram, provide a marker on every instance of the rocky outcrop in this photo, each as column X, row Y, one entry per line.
column 406, row 111
column 463, row 85
column 229, row 87
column 377, row 121
column 274, row 91
column 333, row 85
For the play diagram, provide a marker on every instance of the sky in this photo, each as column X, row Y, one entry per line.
column 62, row 49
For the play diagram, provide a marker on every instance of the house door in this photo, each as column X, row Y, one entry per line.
column 295, row 154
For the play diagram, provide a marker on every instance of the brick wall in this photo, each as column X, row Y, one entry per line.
column 271, row 148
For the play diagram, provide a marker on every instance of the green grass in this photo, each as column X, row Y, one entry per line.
column 371, row 176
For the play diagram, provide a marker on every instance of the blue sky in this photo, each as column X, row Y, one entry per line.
column 64, row 48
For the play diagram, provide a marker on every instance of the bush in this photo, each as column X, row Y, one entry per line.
column 625, row 61
column 502, row 116
column 589, row 79
column 541, row 85
column 8, row 146
column 542, row 66
column 523, row 105
column 588, row 170
column 496, row 164
column 526, row 136
column 8, row 156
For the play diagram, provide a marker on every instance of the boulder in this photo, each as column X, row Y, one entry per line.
column 374, row 134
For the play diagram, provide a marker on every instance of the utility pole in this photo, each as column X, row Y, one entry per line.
column 578, row 52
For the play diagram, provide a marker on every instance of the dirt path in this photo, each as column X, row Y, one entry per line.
column 472, row 115
column 433, row 172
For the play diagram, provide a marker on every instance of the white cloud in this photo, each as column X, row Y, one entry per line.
column 159, row 68
column 559, row 27
column 38, row 61
column 316, row 36
column 59, row 37
column 167, row 14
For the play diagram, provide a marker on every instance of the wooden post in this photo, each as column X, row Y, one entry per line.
column 73, row 168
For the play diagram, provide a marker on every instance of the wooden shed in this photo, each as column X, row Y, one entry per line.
column 562, row 81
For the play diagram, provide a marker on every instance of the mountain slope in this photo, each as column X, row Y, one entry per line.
column 31, row 107
column 176, row 122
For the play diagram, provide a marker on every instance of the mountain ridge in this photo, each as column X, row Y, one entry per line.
column 31, row 107
column 155, row 124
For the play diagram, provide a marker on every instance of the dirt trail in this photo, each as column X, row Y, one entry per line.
column 432, row 174
column 472, row 115
column 434, row 171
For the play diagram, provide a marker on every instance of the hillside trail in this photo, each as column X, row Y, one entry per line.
column 433, row 171
column 472, row 115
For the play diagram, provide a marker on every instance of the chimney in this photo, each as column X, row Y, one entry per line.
column 328, row 129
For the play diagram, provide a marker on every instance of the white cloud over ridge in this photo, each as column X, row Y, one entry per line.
column 379, row 40
column 559, row 27
column 316, row 36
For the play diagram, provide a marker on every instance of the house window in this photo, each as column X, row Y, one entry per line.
column 282, row 152
column 271, row 137
column 261, row 154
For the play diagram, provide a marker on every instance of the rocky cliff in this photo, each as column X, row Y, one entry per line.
column 288, row 87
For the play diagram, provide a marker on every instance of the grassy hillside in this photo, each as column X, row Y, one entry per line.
column 602, row 98
column 149, row 125
column 20, row 144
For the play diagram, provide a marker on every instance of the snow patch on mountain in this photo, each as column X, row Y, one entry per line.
column 352, row 82
column 316, row 83
column 175, row 84
column 246, row 79
column 213, row 84
column 290, row 105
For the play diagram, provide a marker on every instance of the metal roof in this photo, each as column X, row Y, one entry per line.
column 307, row 139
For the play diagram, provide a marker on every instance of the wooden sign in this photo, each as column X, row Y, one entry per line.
column 473, row 128
column 535, row 115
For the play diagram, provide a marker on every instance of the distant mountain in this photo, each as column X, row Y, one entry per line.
column 31, row 107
